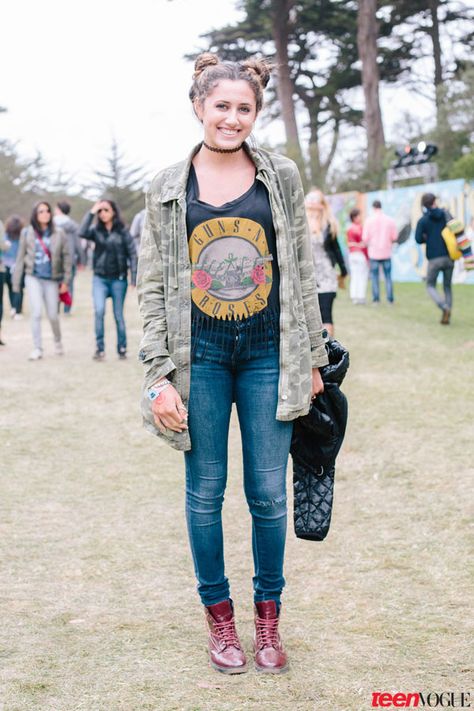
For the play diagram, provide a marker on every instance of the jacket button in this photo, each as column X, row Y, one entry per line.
column 284, row 397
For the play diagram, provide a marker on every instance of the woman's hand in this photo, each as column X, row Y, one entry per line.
column 169, row 412
column 95, row 208
column 62, row 288
column 341, row 281
column 317, row 385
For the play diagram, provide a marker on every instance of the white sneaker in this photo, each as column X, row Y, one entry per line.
column 18, row 317
column 35, row 354
column 12, row 313
column 58, row 348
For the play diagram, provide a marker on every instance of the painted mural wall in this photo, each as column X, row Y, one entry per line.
column 403, row 204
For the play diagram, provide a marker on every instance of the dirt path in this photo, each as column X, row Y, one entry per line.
column 97, row 600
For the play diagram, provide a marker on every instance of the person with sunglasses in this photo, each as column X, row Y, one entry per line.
column 45, row 259
column 114, row 255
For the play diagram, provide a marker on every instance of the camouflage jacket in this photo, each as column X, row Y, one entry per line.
column 164, row 288
column 61, row 258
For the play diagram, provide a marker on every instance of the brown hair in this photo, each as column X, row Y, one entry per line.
column 14, row 226
column 354, row 213
column 209, row 71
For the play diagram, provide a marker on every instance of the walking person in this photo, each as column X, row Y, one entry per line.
column 4, row 245
column 378, row 234
column 428, row 230
column 71, row 230
column 44, row 256
column 358, row 259
column 136, row 228
column 227, row 295
column 326, row 254
column 13, row 228
column 114, row 256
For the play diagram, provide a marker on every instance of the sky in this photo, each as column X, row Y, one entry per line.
column 75, row 74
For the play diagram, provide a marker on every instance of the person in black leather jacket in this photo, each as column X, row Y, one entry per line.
column 114, row 255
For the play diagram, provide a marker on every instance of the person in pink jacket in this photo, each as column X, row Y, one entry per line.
column 379, row 234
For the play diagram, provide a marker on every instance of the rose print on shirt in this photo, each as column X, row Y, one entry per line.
column 202, row 279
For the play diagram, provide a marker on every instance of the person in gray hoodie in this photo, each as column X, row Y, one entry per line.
column 71, row 230
column 428, row 230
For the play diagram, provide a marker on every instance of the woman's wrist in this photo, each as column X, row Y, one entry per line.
column 157, row 388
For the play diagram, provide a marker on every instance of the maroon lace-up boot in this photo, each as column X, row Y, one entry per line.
column 225, row 651
column 270, row 656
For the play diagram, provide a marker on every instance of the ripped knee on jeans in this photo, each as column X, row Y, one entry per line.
column 268, row 508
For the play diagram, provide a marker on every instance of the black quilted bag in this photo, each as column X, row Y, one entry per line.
column 317, row 439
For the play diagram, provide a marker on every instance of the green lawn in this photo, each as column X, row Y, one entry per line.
column 98, row 606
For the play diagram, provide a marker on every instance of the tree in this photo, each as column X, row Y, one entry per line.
column 314, row 73
column 121, row 183
column 454, row 131
column 281, row 27
column 367, row 29
column 22, row 182
column 442, row 30
column 463, row 167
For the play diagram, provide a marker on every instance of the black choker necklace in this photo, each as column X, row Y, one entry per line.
column 222, row 150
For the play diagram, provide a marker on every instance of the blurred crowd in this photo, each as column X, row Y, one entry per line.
column 43, row 257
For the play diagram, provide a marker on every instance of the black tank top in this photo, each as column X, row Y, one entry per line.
column 233, row 254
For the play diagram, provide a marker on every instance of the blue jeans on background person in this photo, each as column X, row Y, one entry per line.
column 222, row 373
column 386, row 265
column 445, row 265
column 116, row 289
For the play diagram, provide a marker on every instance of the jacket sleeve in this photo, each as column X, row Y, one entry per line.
column 132, row 256
column 154, row 352
column 307, row 277
column 420, row 236
column 85, row 230
column 78, row 256
column 3, row 241
column 67, row 256
column 393, row 231
column 20, row 262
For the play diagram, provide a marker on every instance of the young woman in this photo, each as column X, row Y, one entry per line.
column 114, row 255
column 227, row 294
column 358, row 259
column 4, row 246
column 13, row 228
column 326, row 254
column 44, row 256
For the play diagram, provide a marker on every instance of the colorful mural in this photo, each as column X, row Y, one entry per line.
column 403, row 204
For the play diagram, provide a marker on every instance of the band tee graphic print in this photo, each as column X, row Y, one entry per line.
column 231, row 267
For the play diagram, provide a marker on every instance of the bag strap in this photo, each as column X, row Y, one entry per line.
column 44, row 247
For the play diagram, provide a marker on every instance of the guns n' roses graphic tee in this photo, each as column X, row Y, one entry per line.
column 232, row 249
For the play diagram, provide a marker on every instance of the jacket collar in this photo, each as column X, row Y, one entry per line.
column 176, row 180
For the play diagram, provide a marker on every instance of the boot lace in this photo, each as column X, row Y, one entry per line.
column 227, row 633
column 267, row 632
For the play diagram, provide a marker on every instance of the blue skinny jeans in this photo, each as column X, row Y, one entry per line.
column 116, row 289
column 222, row 373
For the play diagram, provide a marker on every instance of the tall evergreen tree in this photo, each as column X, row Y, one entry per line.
column 314, row 71
column 121, row 182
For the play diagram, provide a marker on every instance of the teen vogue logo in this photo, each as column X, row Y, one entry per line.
column 446, row 699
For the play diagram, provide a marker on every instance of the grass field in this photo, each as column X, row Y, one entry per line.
column 98, row 606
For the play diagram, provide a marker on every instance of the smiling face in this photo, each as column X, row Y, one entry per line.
column 228, row 113
column 43, row 215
